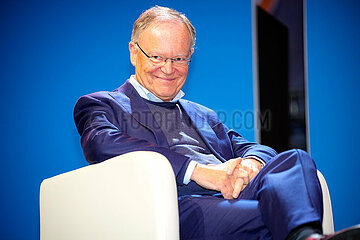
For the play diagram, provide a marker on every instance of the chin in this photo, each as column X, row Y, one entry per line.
column 167, row 95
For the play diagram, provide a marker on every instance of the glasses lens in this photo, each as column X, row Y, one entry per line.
column 156, row 59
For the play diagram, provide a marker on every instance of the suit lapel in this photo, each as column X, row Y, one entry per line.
column 140, row 111
column 203, row 128
column 137, row 107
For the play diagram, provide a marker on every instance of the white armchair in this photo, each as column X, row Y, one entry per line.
column 132, row 196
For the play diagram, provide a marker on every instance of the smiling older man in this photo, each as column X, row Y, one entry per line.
column 228, row 188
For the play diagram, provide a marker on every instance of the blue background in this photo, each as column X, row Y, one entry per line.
column 53, row 52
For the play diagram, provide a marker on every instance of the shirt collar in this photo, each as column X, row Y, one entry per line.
column 144, row 93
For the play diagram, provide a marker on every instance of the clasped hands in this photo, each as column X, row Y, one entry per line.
column 229, row 178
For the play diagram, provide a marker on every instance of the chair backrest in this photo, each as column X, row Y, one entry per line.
column 95, row 202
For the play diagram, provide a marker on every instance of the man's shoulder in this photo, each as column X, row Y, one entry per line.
column 99, row 94
column 121, row 92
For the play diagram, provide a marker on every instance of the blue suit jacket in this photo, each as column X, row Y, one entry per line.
column 114, row 123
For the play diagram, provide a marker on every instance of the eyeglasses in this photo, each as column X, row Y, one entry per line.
column 179, row 61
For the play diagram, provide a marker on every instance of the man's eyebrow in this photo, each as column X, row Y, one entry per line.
column 155, row 53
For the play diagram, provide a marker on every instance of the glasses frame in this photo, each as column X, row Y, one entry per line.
column 173, row 60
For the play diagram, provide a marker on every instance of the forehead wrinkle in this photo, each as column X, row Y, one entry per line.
column 161, row 38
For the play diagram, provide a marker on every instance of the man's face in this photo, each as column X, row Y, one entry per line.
column 168, row 39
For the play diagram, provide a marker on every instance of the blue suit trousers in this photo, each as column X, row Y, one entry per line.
column 284, row 195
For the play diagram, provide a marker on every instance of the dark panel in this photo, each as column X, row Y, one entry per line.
column 273, row 81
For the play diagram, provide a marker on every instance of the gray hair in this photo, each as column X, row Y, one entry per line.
column 161, row 13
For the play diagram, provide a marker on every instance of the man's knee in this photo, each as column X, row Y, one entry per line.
column 296, row 156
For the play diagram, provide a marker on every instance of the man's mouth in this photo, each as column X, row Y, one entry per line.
column 166, row 78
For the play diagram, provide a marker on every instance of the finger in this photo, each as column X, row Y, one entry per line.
column 238, row 187
column 229, row 187
column 230, row 167
column 243, row 165
column 253, row 174
column 244, row 175
column 226, row 187
column 233, row 177
column 226, row 193
column 233, row 165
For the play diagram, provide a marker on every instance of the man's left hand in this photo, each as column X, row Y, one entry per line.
column 251, row 166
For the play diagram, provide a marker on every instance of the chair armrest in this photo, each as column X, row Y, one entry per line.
column 328, row 223
column 132, row 196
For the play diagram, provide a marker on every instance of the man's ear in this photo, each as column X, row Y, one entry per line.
column 133, row 53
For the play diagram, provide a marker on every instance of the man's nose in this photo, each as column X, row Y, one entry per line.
column 168, row 67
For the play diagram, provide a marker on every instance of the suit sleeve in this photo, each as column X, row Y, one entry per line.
column 103, row 136
column 244, row 148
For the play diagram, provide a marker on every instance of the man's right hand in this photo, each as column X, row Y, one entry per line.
column 226, row 178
